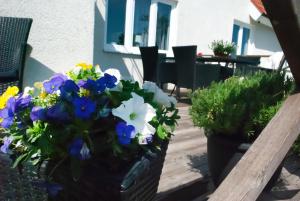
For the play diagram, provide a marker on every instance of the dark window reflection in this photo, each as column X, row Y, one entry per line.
column 116, row 22
column 163, row 26
column 141, row 22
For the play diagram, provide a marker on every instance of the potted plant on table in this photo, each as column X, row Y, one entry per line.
column 102, row 138
column 222, row 48
column 234, row 112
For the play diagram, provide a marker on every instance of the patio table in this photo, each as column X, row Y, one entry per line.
column 226, row 60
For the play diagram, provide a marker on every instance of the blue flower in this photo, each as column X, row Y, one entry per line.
column 84, row 107
column 6, row 143
column 58, row 113
column 22, row 102
column 110, row 80
column 79, row 149
column 38, row 113
column 54, row 83
column 69, row 90
column 97, row 86
column 7, row 114
column 125, row 133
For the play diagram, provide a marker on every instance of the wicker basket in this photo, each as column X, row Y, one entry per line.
column 101, row 181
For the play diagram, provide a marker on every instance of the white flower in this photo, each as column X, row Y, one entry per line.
column 159, row 96
column 114, row 72
column 28, row 91
column 85, row 152
column 76, row 70
column 137, row 113
column 97, row 69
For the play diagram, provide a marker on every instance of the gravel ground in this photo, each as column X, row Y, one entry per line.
column 18, row 187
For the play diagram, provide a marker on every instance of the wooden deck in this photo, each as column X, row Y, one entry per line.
column 185, row 174
column 185, row 169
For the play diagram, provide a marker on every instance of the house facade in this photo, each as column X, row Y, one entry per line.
column 108, row 32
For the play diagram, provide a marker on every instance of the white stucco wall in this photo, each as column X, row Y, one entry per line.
column 61, row 34
column 66, row 32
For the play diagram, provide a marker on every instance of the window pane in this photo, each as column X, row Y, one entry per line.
column 245, row 39
column 235, row 34
column 163, row 26
column 116, row 22
column 141, row 22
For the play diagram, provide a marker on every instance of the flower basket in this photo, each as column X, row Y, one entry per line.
column 107, row 178
column 96, row 132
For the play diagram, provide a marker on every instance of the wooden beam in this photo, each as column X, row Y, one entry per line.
column 285, row 18
column 249, row 177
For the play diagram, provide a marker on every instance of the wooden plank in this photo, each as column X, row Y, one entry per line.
column 249, row 177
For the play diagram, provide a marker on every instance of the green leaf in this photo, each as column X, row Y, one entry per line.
column 161, row 132
column 20, row 159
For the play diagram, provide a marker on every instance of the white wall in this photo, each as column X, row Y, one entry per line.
column 61, row 34
column 66, row 32
column 202, row 21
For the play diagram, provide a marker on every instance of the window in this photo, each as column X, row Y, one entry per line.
column 241, row 36
column 141, row 22
column 116, row 17
column 134, row 23
column 163, row 25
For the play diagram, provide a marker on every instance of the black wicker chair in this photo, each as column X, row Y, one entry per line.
column 150, row 63
column 185, row 59
column 13, row 44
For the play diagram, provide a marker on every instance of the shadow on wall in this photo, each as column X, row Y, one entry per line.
column 125, row 63
column 35, row 71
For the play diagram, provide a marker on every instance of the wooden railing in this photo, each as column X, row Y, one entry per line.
column 249, row 177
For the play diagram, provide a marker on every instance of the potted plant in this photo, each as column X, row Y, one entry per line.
column 222, row 48
column 102, row 138
column 234, row 112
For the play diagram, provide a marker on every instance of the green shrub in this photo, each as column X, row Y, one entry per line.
column 220, row 47
column 240, row 106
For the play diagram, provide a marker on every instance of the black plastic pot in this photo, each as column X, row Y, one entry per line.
column 101, row 181
column 220, row 150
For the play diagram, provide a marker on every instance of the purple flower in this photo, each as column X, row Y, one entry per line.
column 79, row 149
column 7, row 114
column 125, row 133
column 58, row 113
column 69, row 90
column 6, row 143
column 23, row 102
column 54, row 83
column 84, row 107
column 38, row 113
column 82, row 83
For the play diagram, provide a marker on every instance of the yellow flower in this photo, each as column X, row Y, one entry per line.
column 1, row 120
column 38, row 85
column 85, row 66
column 43, row 95
column 10, row 92
column 85, row 92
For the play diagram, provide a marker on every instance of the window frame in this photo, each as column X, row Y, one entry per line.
column 240, row 36
column 128, row 47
